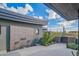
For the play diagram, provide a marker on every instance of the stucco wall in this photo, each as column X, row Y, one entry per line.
column 22, row 36
column 3, row 38
column 20, row 33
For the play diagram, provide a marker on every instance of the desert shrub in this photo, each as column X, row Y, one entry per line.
column 72, row 46
column 46, row 39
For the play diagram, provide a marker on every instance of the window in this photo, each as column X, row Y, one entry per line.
column 37, row 31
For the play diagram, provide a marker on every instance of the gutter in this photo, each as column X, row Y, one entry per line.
column 12, row 16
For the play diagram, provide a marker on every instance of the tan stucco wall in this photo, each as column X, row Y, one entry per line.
column 3, row 39
column 19, row 32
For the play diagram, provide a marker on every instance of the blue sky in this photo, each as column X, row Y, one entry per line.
column 39, row 10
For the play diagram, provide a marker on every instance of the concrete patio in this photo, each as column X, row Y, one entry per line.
column 52, row 50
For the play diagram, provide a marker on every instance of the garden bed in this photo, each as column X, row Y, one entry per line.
column 72, row 46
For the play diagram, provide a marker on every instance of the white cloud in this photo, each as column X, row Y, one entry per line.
column 72, row 29
column 21, row 10
column 55, row 29
column 27, row 6
column 25, row 10
column 68, row 25
column 38, row 17
column 4, row 5
column 12, row 9
column 52, row 14
column 35, row 16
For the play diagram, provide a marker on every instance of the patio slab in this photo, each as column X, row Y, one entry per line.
column 52, row 50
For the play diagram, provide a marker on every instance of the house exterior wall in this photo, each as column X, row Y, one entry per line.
column 22, row 29
column 21, row 36
column 3, row 39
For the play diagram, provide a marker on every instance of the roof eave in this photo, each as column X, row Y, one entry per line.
column 67, row 10
column 6, row 14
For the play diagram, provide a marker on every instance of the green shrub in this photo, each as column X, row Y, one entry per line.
column 46, row 39
column 72, row 46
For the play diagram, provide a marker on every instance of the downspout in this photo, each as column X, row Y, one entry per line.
column 8, row 38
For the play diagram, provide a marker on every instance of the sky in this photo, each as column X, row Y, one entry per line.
column 39, row 10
